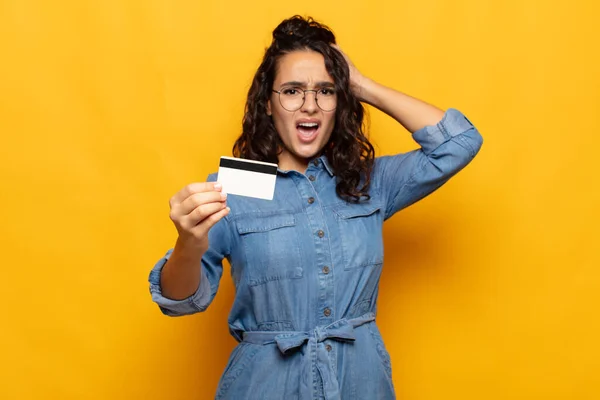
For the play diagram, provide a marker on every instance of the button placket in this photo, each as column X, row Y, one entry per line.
column 316, row 216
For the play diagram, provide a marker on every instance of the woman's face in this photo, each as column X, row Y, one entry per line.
column 306, row 131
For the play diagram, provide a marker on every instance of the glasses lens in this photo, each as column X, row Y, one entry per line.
column 326, row 99
column 291, row 98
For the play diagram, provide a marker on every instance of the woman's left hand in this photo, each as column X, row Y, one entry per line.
column 357, row 79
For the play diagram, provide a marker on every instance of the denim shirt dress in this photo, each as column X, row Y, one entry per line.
column 306, row 269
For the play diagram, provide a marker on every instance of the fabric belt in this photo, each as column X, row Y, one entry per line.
column 317, row 355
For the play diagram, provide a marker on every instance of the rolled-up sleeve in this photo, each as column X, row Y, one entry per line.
column 210, row 275
column 446, row 148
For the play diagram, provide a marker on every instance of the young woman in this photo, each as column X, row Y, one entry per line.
column 306, row 265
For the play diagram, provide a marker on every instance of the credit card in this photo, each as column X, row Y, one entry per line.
column 247, row 177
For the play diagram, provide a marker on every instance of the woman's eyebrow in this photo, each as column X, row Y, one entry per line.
column 303, row 85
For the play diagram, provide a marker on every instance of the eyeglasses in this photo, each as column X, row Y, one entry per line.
column 292, row 98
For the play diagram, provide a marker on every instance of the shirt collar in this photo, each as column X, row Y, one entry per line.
column 326, row 164
column 323, row 159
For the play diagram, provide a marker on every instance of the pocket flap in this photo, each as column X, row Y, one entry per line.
column 356, row 210
column 264, row 224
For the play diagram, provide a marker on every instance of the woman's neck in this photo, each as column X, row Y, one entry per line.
column 289, row 162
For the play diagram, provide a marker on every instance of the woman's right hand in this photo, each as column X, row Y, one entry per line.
column 195, row 209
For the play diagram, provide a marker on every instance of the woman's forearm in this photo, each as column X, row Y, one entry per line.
column 411, row 112
column 180, row 277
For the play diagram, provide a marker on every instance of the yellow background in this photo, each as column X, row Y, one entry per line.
column 491, row 285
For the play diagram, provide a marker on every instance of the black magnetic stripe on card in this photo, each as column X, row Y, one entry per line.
column 248, row 166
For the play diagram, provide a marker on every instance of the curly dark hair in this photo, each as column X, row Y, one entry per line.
column 349, row 151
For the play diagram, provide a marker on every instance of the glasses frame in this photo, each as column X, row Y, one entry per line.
column 304, row 98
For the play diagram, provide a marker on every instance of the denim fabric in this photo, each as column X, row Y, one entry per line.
column 306, row 269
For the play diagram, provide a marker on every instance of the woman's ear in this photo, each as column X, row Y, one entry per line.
column 269, row 108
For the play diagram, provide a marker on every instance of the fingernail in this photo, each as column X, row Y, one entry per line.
column 218, row 186
column 223, row 196
column 228, row 209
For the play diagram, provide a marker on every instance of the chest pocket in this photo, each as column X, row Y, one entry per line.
column 271, row 248
column 360, row 227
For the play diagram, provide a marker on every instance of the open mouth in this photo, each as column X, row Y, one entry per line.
column 308, row 130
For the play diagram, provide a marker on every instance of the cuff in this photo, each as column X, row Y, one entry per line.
column 195, row 303
column 453, row 123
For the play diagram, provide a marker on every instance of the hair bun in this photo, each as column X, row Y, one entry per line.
column 302, row 29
